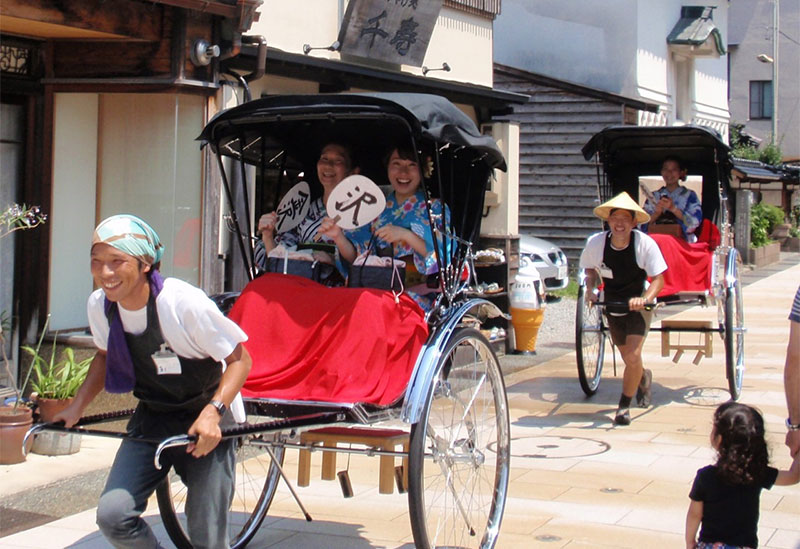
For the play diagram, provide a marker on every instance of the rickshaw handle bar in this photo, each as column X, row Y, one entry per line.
column 651, row 306
column 647, row 306
column 322, row 418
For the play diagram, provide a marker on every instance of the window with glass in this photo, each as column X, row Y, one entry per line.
column 760, row 99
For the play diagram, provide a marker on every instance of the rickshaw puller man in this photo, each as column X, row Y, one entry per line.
column 165, row 340
column 624, row 258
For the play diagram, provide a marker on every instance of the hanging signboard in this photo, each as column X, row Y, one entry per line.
column 393, row 31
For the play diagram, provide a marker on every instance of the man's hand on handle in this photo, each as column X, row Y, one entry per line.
column 206, row 429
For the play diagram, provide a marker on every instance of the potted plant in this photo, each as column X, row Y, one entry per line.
column 16, row 417
column 54, row 385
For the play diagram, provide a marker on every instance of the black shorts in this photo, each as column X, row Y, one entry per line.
column 633, row 323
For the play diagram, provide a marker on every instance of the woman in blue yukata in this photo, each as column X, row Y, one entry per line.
column 403, row 226
column 674, row 202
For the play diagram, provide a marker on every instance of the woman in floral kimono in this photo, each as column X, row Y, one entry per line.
column 403, row 227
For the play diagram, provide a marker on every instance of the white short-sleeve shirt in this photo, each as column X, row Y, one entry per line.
column 191, row 323
column 648, row 254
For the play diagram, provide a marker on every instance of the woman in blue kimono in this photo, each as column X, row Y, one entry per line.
column 403, row 226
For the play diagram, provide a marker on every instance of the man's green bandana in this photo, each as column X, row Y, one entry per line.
column 131, row 235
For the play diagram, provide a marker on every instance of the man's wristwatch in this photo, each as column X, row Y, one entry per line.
column 792, row 426
column 220, row 406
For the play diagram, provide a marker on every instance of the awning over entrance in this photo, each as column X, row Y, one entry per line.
column 339, row 76
column 695, row 33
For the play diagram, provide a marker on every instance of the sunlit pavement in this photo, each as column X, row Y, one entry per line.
column 577, row 481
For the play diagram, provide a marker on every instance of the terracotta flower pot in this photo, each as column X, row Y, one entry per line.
column 49, row 407
column 13, row 426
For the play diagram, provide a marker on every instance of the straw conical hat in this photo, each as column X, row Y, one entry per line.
column 622, row 201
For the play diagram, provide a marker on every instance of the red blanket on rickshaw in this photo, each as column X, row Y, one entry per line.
column 310, row 342
column 688, row 265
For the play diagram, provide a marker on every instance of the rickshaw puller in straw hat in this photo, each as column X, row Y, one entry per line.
column 624, row 257
column 166, row 341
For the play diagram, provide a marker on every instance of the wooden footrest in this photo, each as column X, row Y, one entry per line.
column 704, row 348
column 331, row 437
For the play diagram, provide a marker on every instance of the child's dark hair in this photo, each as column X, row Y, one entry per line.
column 742, row 455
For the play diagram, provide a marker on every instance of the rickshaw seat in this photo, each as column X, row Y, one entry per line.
column 309, row 342
column 688, row 265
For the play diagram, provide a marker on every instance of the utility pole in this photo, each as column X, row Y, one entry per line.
column 775, row 39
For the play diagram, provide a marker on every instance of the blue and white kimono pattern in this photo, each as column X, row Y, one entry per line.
column 686, row 200
column 412, row 214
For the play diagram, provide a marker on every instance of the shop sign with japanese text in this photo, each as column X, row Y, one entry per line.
column 394, row 31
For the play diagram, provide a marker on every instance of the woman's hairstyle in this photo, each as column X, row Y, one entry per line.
column 403, row 151
column 678, row 161
column 742, row 455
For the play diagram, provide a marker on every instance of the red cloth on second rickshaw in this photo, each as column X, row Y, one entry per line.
column 688, row 265
column 311, row 342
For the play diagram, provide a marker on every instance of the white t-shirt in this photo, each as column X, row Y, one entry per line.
column 648, row 255
column 191, row 323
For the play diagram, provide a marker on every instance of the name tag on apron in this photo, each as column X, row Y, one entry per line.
column 166, row 361
column 605, row 272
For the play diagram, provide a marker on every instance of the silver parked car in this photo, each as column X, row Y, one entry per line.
column 545, row 257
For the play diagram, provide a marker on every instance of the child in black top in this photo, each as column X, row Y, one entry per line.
column 725, row 496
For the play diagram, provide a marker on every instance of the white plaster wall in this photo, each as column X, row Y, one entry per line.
column 462, row 40
column 711, row 79
column 617, row 46
column 654, row 77
column 289, row 25
column 503, row 219
column 75, row 133
column 656, row 72
column 581, row 41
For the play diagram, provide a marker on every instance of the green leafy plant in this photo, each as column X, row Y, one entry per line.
column 742, row 146
column 771, row 154
column 570, row 291
column 763, row 219
column 57, row 380
column 794, row 232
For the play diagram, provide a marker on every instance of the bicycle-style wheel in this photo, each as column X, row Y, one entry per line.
column 590, row 343
column 459, row 455
column 734, row 336
column 255, row 485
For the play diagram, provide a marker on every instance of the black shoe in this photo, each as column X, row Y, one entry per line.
column 623, row 417
column 643, row 393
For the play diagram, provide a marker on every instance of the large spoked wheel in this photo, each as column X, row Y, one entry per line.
column 734, row 334
column 255, row 485
column 459, row 455
column 590, row 343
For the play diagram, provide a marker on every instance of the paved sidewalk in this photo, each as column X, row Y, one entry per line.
column 577, row 481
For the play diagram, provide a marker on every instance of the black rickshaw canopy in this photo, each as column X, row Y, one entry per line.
column 282, row 135
column 428, row 117
column 626, row 153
